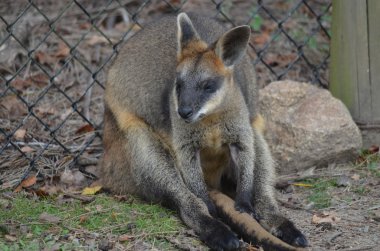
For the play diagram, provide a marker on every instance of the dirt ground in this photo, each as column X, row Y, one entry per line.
column 336, row 207
column 354, row 204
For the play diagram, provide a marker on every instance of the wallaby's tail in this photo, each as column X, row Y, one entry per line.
column 246, row 226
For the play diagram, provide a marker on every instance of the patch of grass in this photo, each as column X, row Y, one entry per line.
column 319, row 191
column 361, row 190
column 102, row 217
column 370, row 161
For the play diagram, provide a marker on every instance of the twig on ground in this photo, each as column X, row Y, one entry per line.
column 143, row 235
column 85, row 161
column 334, row 236
column 178, row 244
column 289, row 205
column 91, row 212
column 373, row 208
column 359, row 248
column 83, row 198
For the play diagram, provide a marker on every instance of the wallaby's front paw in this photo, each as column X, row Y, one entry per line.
column 290, row 234
column 220, row 238
column 246, row 207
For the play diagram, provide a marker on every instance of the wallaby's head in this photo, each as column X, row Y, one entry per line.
column 204, row 71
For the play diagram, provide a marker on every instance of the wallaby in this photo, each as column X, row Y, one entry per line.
column 181, row 120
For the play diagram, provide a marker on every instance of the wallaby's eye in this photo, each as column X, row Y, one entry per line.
column 178, row 85
column 210, row 86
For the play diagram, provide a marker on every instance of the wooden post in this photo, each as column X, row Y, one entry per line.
column 355, row 61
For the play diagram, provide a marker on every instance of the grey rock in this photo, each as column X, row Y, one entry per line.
column 343, row 181
column 306, row 126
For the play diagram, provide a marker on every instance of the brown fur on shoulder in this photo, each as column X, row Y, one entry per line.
column 259, row 123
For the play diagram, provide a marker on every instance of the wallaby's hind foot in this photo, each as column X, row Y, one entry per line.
column 287, row 232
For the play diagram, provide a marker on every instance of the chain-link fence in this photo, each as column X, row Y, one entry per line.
column 54, row 54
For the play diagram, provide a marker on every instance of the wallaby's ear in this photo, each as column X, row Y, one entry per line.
column 232, row 45
column 186, row 31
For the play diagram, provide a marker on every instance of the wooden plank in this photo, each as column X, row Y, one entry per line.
column 343, row 74
column 361, row 53
column 374, row 54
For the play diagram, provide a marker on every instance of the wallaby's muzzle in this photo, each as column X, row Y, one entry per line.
column 185, row 112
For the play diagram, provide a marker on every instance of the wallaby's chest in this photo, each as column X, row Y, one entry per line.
column 215, row 156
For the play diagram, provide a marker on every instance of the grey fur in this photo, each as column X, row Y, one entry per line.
column 152, row 152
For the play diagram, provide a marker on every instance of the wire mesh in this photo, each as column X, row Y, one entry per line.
column 54, row 55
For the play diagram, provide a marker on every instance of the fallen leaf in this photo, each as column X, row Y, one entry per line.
column 83, row 218
column 355, row 177
column 41, row 193
column 28, row 182
column 21, row 84
column 26, row 149
column 49, row 218
column 373, row 149
column 325, row 217
column 39, row 79
column 281, row 60
column 49, row 190
column 11, row 107
column 124, row 237
column 302, row 185
column 85, row 26
column 95, row 39
column 121, row 197
column 44, row 58
column 91, row 190
column 45, row 110
column 20, row 134
column 10, row 238
column 261, row 39
column 63, row 51
column 85, row 129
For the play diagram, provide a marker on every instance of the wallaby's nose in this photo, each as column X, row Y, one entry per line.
column 185, row 112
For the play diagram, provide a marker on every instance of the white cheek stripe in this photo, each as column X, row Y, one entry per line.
column 213, row 103
column 175, row 100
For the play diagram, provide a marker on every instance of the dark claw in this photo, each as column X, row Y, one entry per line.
column 301, row 241
column 291, row 235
